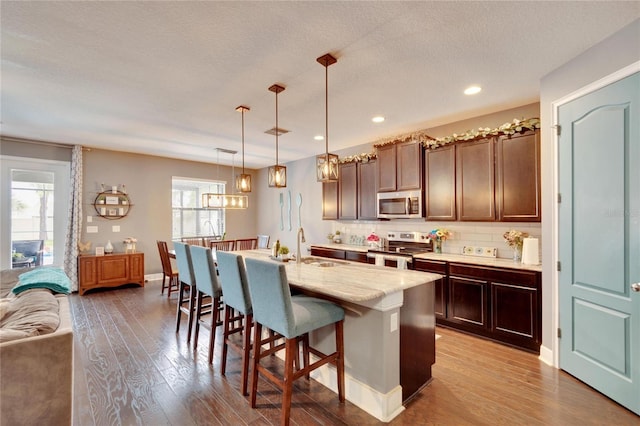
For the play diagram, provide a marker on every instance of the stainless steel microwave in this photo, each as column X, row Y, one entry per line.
column 399, row 205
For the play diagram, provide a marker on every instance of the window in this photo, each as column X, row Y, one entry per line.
column 189, row 218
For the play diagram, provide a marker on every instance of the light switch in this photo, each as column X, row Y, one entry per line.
column 92, row 229
column 89, row 219
column 393, row 319
column 115, row 228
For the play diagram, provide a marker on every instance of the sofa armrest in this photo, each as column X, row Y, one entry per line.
column 37, row 375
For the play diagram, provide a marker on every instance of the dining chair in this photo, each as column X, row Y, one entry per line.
column 246, row 244
column 193, row 241
column 223, row 245
column 167, row 270
column 263, row 241
column 207, row 285
column 187, row 284
column 292, row 317
column 207, row 240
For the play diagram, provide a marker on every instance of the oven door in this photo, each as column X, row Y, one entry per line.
column 400, row 261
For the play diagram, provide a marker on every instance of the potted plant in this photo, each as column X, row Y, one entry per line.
column 284, row 252
column 336, row 238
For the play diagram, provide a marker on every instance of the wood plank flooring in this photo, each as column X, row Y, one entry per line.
column 131, row 368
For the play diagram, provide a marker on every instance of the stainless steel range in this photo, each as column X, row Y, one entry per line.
column 400, row 247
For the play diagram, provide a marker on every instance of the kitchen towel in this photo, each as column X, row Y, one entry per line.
column 401, row 263
column 530, row 251
column 379, row 259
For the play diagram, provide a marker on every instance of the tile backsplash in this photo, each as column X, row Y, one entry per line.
column 484, row 234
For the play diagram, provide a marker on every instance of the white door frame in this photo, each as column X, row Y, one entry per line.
column 553, row 358
column 62, row 170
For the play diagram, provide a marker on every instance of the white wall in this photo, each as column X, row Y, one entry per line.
column 610, row 55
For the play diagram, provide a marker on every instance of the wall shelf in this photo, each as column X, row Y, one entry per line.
column 112, row 205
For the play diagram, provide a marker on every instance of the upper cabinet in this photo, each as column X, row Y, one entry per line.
column 357, row 191
column 490, row 179
column 475, row 180
column 518, row 178
column 329, row 200
column 440, row 183
column 399, row 166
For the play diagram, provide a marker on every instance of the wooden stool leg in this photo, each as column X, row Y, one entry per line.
column 291, row 349
column 192, row 302
column 257, row 331
column 246, row 351
column 198, row 313
column 226, row 326
column 215, row 318
column 340, row 359
column 180, row 302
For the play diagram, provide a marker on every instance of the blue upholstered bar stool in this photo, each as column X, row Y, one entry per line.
column 187, row 283
column 274, row 307
column 233, row 279
column 207, row 285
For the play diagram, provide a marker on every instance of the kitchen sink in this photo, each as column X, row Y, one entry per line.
column 322, row 262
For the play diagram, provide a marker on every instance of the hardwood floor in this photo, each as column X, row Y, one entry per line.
column 132, row 368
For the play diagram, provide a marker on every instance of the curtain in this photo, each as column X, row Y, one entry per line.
column 74, row 226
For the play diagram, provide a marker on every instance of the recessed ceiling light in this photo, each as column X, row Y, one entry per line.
column 472, row 90
column 319, row 137
column 378, row 119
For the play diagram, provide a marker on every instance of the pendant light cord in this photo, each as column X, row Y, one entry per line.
column 277, row 131
column 243, row 141
column 326, row 111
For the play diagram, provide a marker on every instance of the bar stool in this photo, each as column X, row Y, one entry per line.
column 274, row 307
column 233, row 279
column 207, row 285
column 187, row 283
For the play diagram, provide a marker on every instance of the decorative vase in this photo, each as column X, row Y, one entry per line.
column 108, row 249
column 438, row 245
column 517, row 253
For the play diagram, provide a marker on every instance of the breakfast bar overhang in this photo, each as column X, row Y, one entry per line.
column 389, row 329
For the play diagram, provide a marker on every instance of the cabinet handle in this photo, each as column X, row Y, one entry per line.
column 635, row 286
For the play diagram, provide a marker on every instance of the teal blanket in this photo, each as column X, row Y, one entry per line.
column 53, row 279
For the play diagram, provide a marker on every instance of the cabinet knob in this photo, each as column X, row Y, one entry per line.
column 635, row 286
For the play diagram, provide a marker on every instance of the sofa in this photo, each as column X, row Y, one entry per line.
column 36, row 355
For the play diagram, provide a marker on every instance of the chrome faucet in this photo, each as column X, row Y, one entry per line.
column 298, row 254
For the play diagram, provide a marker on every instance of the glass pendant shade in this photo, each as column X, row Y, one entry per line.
column 277, row 176
column 243, row 183
column 224, row 201
column 327, row 167
column 326, row 164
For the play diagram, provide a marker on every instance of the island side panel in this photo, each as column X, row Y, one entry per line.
column 417, row 339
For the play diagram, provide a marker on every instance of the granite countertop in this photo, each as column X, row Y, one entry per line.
column 349, row 281
column 448, row 257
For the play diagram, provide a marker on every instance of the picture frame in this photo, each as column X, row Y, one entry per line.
column 99, row 251
column 112, row 212
column 112, row 200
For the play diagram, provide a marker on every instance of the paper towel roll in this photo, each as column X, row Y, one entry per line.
column 379, row 260
column 530, row 251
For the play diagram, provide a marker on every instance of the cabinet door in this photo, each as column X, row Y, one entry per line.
column 330, row 200
column 88, row 274
column 441, row 285
column 409, row 165
column 113, row 269
column 440, row 183
column 468, row 302
column 515, row 314
column 367, row 190
column 348, row 191
column 386, row 168
column 475, row 180
column 518, row 178
column 136, row 272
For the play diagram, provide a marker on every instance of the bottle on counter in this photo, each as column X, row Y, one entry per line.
column 275, row 249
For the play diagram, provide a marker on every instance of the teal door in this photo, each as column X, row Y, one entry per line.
column 599, row 240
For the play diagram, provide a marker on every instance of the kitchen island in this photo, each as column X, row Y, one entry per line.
column 389, row 328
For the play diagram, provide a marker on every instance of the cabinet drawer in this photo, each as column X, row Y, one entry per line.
column 356, row 256
column 435, row 266
column 508, row 276
column 330, row 253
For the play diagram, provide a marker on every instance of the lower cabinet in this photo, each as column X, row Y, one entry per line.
column 327, row 252
column 499, row 303
column 110, row 270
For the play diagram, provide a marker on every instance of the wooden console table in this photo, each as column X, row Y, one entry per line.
column 110, row 270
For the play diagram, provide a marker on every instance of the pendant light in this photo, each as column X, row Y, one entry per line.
column 213, row 200
column 327, row 164
column 243, row 180
column 277, row 173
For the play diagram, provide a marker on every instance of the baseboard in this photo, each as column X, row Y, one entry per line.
column 153, row 277
column 546, row 355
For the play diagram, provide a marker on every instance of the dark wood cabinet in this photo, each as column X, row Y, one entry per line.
column 399, row 166
column 518, row 178
column 356, row 256
column 440, row 183
column 468, row 302
column 475, row 180
column 441, row 285
column 327, row 252
column 330, row 200
column 110, row 270
column 367, row 190
column 348, row 191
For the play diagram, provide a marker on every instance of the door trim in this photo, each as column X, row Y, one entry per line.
column 551, row 355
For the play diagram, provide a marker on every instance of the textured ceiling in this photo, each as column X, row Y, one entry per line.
column 164, row 78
